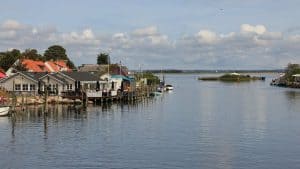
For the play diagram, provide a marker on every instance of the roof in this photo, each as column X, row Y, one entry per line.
column 48, row 66
column 296, row 75
column 82, row 76
column 2, row 73
column 29, row 75
column 89, row 68
column 121, row 77
column 34, row 66
column 235, row 74
column 56, row 66
column 102, row 69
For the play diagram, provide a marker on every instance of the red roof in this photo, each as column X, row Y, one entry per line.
column 49, row 66
column 34, row 66
column 2, row 74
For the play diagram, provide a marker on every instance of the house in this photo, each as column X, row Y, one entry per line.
column 81, row 80
column 296, row 78
column 96, row 69
column 34, row 83
column 118, row 82
column 21, row 83
column 40, row 66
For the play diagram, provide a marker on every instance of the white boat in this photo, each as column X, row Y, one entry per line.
column 169, row 87
column 4, row 110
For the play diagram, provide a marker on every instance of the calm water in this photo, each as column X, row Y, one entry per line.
column 198, row 125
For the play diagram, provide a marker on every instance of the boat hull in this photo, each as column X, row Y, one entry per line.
column 4, row 111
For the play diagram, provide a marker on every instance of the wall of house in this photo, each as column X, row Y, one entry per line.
column 53, row 83
column 117, row 83
column 69, row 82
column 10, row 84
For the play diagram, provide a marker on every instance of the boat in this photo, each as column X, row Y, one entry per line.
column 4, row 110
column 169, row 87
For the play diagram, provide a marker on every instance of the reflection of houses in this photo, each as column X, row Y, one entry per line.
column 34, row 83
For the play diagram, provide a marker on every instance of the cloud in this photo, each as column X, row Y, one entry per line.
column 207, row 36
column 253, row 46
column 147, row 31
column 11, row 24
column 258, row 29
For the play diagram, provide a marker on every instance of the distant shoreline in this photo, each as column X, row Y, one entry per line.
column 171, row 71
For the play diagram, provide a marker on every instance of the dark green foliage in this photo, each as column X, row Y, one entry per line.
column 56, row 52
column 70, row 64
column 103, row 59
column 151, row 78
column 32, row 54
column 19, row 67
column 7, row 59
column 232, row 78
column 291, row 70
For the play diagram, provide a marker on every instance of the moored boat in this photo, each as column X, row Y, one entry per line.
column 169, row 87
column 4, row 110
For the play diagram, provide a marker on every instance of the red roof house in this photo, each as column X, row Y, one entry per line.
column 48, row 66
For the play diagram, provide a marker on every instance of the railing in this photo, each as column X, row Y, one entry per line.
column 71, row 94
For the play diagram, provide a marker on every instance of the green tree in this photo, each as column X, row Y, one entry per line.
column 7, row 59
column 103, row 59
column 32, row 54
column 56, row 52
column 290, row 70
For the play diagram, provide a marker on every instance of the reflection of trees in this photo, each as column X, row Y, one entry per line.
column 293, row 95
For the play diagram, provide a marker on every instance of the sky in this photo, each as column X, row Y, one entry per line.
column 169, row 34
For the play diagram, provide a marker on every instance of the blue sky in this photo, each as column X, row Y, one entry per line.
column 186, row 34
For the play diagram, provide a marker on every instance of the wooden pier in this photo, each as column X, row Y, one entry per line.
column 100, row 97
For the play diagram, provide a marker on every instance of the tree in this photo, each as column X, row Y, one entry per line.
column 290, row 70
column 56, row 52
column 32, row 54
column 103, row 59
column 7, row 59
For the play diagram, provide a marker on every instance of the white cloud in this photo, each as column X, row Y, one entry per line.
column 207, row 36
column 147, row 31
column 258, row 29
column 11, row 24
column 88, row 34
column 254, row 46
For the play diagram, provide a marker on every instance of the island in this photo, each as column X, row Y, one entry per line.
column 290, row 77
column 232, row 77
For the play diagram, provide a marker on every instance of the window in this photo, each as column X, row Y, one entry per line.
column 69, row 86
column 25, row 87
column 17, row 87
column 49, row 87
column 32, row 87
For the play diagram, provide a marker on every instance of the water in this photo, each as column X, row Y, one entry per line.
column 198, row 125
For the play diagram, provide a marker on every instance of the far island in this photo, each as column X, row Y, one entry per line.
column 232, row 77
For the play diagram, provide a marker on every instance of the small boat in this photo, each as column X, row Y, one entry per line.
column 4, row 110
column 169, row 87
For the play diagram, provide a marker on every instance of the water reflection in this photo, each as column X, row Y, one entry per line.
column 49, row 115
column 293, row 94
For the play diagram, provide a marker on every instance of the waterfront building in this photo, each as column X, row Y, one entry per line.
column 34, row 83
